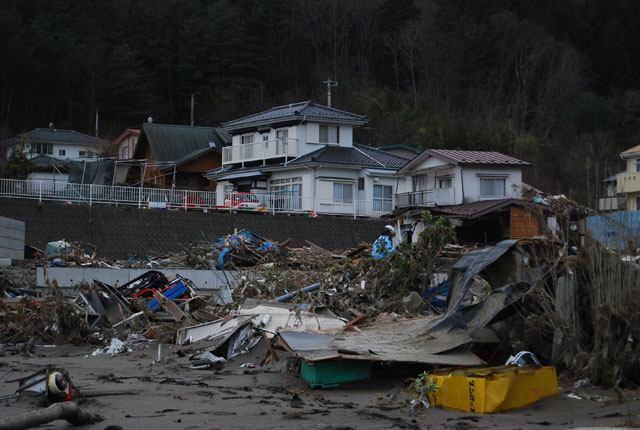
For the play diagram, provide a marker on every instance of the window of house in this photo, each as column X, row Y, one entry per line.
column 42, row 148
column 282, row 137
column 445, row 182
column 82, row 153
column 329, row 133
column 382, row 198
column 228, row 188
column 124, row 152
column 247, row 150
column 62, row 152
column 360, row 184
column 638, row 203
column 637, row 164
column 492, row 187
column 418, row 183
column 342, row 193
column 286, row 193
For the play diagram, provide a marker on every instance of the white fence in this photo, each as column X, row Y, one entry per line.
column 104, row 194
column 160, row 198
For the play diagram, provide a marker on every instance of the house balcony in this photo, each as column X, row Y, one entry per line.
column 260, row 151
column 615, row 203
column 427, row 198
column 628, row 182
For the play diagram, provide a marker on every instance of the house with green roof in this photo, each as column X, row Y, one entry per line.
column 178, row 155
column 302, row 157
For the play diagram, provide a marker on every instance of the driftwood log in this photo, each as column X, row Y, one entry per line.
column 69, row 411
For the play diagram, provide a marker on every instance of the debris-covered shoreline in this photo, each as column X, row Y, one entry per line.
column 336, row 316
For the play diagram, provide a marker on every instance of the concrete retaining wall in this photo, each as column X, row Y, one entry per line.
column 12, row 235
column 117, row 232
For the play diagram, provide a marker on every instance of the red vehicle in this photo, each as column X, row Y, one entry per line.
column 192, row 203
column 245, row 201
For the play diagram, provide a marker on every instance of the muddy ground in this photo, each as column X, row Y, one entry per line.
column 171, row 396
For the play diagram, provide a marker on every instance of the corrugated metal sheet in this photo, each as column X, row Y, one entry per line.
column 616, row 229
column 173, row 142
column 477, row 157
column 523, row 224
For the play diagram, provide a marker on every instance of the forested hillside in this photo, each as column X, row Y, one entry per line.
column 553, row 82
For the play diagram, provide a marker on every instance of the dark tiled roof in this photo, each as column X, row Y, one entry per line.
column 358, row 155
column 300, row 111
column 52, row 135
column 178, row 142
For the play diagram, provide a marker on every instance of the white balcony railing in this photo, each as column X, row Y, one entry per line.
column 260, row 151
column 615, row 203
column 427, row 198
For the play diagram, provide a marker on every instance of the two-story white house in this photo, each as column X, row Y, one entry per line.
column 58, row 144
column 464, row 185
column 302, row 158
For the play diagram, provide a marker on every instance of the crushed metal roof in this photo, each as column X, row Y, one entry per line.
column 358, row 155
column 467, row 158
column 179, row 142
column 475, row 209
column 296, row 111
column 53, row 135
column 465, row 211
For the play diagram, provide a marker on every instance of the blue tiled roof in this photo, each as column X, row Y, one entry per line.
column 300, row 111
column 358, row 155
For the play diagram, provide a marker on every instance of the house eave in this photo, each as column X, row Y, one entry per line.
column 281, row 122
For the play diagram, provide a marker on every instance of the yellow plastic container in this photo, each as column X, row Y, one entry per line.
column 492, row 389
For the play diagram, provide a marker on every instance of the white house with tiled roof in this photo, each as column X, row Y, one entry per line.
column 459, row 184
column 57, row 144
column 302, row 157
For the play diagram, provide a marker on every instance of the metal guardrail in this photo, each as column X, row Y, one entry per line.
column 90, row 194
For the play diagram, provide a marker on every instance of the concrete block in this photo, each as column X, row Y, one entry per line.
column 11, row 253
column 13, row 244
column 12, row 233
column 11, row 223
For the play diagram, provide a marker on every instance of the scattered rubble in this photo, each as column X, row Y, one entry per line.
column 339, row 313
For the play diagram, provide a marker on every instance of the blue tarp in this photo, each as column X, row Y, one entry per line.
column 615, row 229
column 178, row 290
column 247, row 237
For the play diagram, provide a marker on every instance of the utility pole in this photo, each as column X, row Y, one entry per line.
column 330, row 84
column 193, row 105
